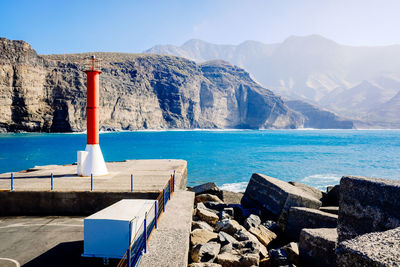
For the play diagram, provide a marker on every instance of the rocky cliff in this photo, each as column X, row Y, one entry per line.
column 318, row 118
column 137, row 91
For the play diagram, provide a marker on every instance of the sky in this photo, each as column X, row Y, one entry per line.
column 57, row 27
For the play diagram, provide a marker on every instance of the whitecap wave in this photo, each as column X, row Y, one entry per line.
column 234, row 187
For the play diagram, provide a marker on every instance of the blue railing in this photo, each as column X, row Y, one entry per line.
column 138, row 245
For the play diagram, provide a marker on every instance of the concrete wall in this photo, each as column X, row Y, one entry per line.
column 62, row 203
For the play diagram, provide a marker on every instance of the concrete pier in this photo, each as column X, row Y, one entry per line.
column 169, row 245
column 72, row 195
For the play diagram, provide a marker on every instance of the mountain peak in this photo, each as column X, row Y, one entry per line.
column 194, row 42
column 313, row 38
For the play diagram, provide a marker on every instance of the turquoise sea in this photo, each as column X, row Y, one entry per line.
column 315, row 157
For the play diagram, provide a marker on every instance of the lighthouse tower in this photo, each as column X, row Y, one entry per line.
column 91, row 160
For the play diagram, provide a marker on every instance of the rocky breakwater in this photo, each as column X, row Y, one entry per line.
column 224, row 233
column 138, row 91
column 275, row 223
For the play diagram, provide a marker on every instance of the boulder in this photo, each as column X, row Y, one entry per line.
column 367, row 205
column 201, row 225
column 228, row 226
column 231, row 197
column 225, row 238
column 249, row 260
column 372, row 249
column 247, row 247
column 244, row 235
column 332, row 196
column 277, row 197
column 207, row 215
column 207, row 197
column 205, row 252
column 330, row 209
column 204, row 264
column 300, row 218
column 228, row 260
column 264, row 235
column 201, row 205
column 207, row 188
column 241, row 213
column 240, row 254
column 292, row 251
column 226, row 213
column 312, row 191
column 218, row 206
column 201, row 236
column 272, row 226
column 252, row 221
column 317, row 247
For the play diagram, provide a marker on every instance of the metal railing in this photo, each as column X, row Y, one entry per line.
column 138, row 244
column 52, row 185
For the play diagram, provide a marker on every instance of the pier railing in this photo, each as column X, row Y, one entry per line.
column 52, row 186
column 138, row 244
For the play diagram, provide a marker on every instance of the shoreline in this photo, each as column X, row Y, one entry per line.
column 206, row 130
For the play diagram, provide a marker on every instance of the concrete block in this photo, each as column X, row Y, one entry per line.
column 317, row 247
column 300, row 218
column 207, row 188
column 367, row 205
column 277, row 196
column 373, row 249
column 318, row 194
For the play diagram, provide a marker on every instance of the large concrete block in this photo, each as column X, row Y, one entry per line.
column 373, row 249
column 317, row 247
column 277, row 196
column 300, row 218
column 367, row 205
column 316, row 193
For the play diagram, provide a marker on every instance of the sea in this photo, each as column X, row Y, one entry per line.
column 227, row 157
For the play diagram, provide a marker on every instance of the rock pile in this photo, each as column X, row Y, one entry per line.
column 228, row 234
column 356, row 223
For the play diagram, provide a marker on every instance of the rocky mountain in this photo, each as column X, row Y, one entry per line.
column 352, row 81
column 318, row 118
column 137, row 91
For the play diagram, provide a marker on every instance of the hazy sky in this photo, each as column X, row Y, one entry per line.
column 132, row 26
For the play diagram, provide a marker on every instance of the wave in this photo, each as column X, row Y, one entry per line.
column 234, row 187
column 321, row 181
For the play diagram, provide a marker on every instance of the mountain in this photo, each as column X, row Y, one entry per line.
column 311, row 68
column 388, row 112
column 137, row 91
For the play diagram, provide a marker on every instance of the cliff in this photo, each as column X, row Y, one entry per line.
column 318, row 118
column 137, row 91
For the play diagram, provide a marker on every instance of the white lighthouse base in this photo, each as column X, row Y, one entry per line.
column 91, row 161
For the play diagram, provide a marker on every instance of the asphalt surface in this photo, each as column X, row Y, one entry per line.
column 43, row 241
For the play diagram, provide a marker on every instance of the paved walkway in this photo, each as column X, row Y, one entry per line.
column 169, row 245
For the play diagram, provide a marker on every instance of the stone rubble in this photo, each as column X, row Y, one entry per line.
column 273, row 215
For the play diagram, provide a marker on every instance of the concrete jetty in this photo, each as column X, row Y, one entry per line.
column 53, row 239
column 72, row 195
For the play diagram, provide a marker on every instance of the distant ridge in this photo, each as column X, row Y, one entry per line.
column 353, row 81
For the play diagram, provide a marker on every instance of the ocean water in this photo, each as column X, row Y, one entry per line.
column 315, row 157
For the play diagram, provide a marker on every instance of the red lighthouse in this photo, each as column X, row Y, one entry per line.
column 91, row 160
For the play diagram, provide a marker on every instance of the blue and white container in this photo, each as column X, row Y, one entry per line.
column 109, row 232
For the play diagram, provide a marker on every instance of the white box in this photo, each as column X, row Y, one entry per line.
column 108, row 232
